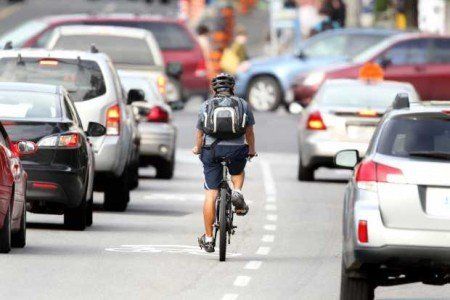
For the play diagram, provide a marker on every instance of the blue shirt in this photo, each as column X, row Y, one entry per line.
column 238, row 141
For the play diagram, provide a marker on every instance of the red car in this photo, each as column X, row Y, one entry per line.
column 177, row 42
column 13, row 181
column 420, row 59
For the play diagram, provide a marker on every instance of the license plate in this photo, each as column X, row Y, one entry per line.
column 438, row 202
column 360, row 132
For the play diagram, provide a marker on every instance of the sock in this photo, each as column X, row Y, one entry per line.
column 208, row 239
column 238, row 191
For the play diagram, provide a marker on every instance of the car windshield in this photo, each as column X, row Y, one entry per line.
column 82, row 78
column 168, row 35
column 425, row 135
column 122, row 50
column 22, row 33
column 151, row 95
column 361, row 95
column 29, row 105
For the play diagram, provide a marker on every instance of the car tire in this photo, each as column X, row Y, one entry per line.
column 134, row 176
column 165, row 169
column 5, row 233
column 19, row 238
column 356, row 288
column 89, row 211
column 304, row 173
column 264, row 93
column 75, row 217
column 117, row 193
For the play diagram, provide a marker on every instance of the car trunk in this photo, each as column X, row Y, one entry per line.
column 151, row 73
column 421, row 199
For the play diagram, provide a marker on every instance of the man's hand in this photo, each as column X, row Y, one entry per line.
column 251, row 152
column 196, row 150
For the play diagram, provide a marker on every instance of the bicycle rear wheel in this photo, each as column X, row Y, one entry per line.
column 223, row 230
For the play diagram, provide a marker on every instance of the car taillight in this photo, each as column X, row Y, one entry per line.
column 162, row 84
column 113, row 120
column 363, row 233
column 367, row 113
column 315, row 121
column 70, row 140
column 369, row 173
column 44, row 185
column 200, row 70
column 158, row 114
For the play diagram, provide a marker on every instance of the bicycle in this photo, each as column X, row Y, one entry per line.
column 223, row 223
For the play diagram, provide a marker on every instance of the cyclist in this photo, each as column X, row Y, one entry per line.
column 224, row 129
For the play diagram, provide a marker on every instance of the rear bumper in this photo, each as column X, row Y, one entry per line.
column 60, row 185
column 157, row 140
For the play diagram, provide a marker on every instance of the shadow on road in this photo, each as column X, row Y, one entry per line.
column 51, row 226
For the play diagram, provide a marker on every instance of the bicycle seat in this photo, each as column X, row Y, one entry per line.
column 224, row 159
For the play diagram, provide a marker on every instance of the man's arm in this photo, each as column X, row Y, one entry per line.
column 198, row 142
column 250, row 138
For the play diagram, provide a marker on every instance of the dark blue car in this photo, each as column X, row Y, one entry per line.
column 265, row 82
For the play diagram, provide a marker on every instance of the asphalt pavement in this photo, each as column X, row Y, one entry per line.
column 287, row 247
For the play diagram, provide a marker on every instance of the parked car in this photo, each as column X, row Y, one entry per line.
column 13, row 183
column 158, row 133
column 396, row 208
column 420, row 59
column 132, row 50
column 61, row 172
column 176, row 41
column 343, row 115
column 266, row 82
column 94, row 86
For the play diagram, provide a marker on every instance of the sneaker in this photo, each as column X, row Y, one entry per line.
column 208, row 246
column 238, row 201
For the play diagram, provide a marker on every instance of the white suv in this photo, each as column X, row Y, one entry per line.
column 94, row 85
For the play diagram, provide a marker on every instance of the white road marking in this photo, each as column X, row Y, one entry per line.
column 159, row 249
column 271, row 217
column 253, row 265
column 268, row 238
column 242, row 281
column 263, row 250
column 271, row 207
column 269, row 182
column 270, row 227
column 271, row 199
column 230, row 297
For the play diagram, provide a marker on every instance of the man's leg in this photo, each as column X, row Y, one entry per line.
column 209, row 211
column 238, row 181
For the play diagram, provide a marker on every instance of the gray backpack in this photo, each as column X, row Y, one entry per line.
column 225, row 118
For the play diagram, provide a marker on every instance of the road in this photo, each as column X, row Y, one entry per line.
column 287, row 247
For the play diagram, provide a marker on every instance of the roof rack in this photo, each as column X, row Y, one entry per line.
column 8, row 45
column 94, row 49
column 401, row 101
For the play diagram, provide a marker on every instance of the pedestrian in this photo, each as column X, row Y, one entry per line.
column 203, row 34
column 236, row 54
column 326, row 23
column 338, row 11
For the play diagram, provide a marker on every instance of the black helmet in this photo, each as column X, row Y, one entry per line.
column 223, row 82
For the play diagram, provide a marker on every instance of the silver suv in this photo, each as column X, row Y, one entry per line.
column 397, row 205
column 94, row 86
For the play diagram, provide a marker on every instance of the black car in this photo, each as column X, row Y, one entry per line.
column 61, row 172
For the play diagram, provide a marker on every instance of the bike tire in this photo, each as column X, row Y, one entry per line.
column 223, row 230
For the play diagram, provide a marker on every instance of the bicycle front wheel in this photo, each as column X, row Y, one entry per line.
column 223, row 230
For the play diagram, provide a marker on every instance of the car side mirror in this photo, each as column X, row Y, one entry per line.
column 26, row 148
column 176, row 105
column 95, row 129
column 135, row 95
column 346, row 159
column 174, row 69
column 385, row 62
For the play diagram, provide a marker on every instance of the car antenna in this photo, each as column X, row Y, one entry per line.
column 94, row 49
column 20, row 60
column 8, row 45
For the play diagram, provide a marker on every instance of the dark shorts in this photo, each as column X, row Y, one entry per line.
column 212, row 168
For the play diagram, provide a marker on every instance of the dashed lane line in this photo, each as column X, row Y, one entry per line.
column 271, row 217
column 263, row 250
column 270, row 227
column 271, row 207
column 241, row 281
column 253, row 265
column 230, row 297
column 268, row 238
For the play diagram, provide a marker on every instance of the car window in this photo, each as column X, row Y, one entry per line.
column 23, row 33
column 122, row 50
column 441, row 51
column 412, row 135
column 357, row 43
column 29, row 105
column 43, row 39
column 409, row 52
column 330, row 46
column 82, row 78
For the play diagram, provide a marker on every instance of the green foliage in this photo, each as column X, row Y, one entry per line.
column 381, row 5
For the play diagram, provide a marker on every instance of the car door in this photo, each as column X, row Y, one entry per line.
column 6, row 179
column 407, row 61
column 438, row 69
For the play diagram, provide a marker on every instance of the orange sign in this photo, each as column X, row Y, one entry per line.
column 371, row 71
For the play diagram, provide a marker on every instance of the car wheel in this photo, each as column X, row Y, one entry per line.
column 134, row 176
column 117, row 193
column 165, row 169
column 5, row 233
column 89, row 211
column 264, row 93
column 304, row 173
column 356, row 288
column 18, row 239
column 75, row 217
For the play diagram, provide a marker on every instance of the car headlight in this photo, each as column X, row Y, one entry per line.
column 314, row 79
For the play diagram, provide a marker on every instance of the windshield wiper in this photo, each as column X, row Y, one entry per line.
column 432, row 154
